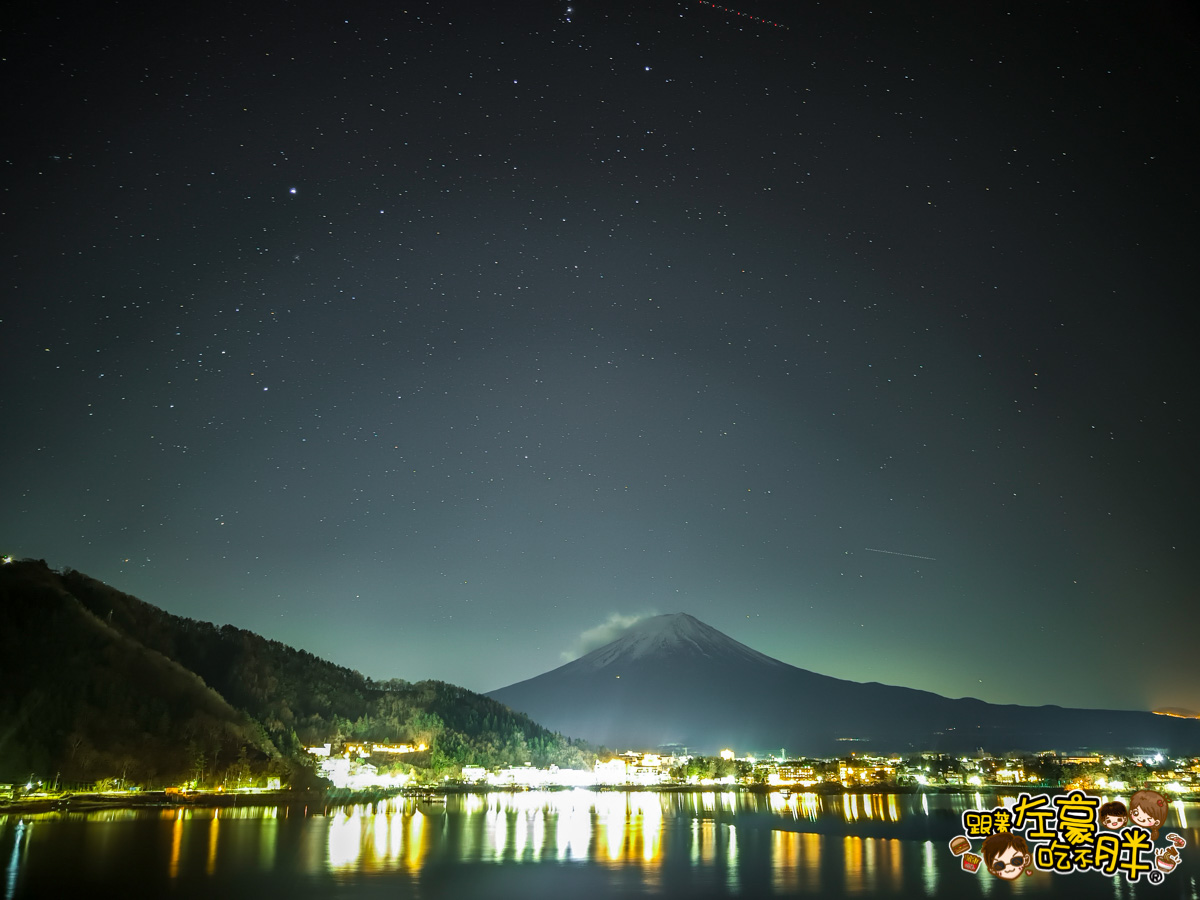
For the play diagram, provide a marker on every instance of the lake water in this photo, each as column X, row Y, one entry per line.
column 572, row 844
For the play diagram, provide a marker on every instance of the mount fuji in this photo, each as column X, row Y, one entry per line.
column 674, row 681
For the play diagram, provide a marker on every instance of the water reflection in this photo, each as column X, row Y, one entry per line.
column 213, row 832
column 176, row 845
column 796, row 858
column 573, row 828
column 377, row 838
column 645, row 842
column 851, row 808
column 20, row 842
column 615, row 828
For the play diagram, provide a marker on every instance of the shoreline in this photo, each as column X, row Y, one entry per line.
column 333, row 797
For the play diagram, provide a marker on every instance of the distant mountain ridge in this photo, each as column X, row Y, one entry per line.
column 673, row 680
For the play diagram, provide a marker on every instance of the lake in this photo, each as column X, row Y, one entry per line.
column 541, row 844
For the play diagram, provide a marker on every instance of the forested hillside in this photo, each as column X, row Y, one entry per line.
column 98, row 683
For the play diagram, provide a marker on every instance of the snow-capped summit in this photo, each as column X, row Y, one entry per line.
column 673, row 635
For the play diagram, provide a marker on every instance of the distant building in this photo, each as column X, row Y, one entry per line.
column 355, row 775
column 647, row 770
column 614, row 771
column 396, row 748
column 865, row 771
column 530, row 777
column 337, row 770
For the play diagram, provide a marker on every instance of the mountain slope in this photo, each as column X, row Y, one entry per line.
column 86, row 701
column 97, row 683
column 674, row 680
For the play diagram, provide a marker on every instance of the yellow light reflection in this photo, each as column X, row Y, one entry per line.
column 852, row 855
column 612, row 813
column 874, row 865
column 810, row 861
column 343, row 841
column 887, row 863
column 850, row 807
column 796, row 862
column 1180, row 814
column 415, row 840
column 176, row 844
column 213, row 830
column 378, row 835
column 268, row 838
column 781, row 805
column 375, row 837
column 810, row 806
column 395, row 835
column 785, row 848
column 652, row 821
column 705, row 838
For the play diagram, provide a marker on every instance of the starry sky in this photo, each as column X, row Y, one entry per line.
column 441, row 340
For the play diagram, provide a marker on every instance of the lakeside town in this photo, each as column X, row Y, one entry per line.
column 353, row 768
column 365, row 769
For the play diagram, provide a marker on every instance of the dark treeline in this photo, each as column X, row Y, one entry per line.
column 99, row 684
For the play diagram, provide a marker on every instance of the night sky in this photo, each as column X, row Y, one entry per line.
column 440, row 341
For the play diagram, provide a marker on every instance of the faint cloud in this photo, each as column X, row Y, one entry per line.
column 605, row 633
